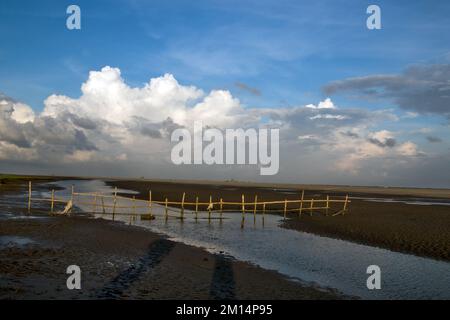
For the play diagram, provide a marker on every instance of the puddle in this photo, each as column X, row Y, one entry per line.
column 14, row 241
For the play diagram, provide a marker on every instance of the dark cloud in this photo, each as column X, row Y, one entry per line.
column 423, row 88
column 432, row 139
column 84, row 123
column 389, row 142
column 245, row 87
column 11, row 131
column 151, row 132
column 82, row 143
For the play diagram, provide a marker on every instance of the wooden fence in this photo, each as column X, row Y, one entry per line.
column 254, row 207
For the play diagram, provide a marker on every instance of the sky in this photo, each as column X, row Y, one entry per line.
column 353, row 105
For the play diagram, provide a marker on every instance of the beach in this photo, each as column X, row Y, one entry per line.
column 175, row 260
column 119, row 261
column 416, row 229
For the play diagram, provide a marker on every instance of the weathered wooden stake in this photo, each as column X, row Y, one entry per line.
column 311, row 208
column 72, row 193
column 103, row 205
column 209, row 208
column 72, row 199
column 167, row 211
column 254, row 209
column 221, row 208
column 345, row 205
column 264, row 211
column 134, row 205
column 94, row 206
column 182, row 206
column 150, row 202
column 53, row 200
column 243, row 212
column 285, row 208
column 114, row 203
column 196, row 208
column 301, row 203
column 29, row 196
column 328, row 204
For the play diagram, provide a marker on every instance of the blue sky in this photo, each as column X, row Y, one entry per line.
column 285, row 49
column 274, row 56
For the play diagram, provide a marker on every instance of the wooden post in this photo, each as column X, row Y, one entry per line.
column 94, row 206
column 311, row 208
column 71, row 194
column 53, row 201
column 103, row 205
column 301, row 203
column 29, row 196
column 114, row 203
column 134, row 205
column 196, row 208
column 285, row 208
column 221, row 208
column 150, row 202
column 167, row 211
column 182, row 206
column 209, row 208
column 263, row 213
column 243, row 212
column 345, row 204
column 254, row 209
column 328, row 204
column 72, row 199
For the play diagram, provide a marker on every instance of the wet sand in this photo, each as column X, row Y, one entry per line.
column 416, row 229
column 126, row 262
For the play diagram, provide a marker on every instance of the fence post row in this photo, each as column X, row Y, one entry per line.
column 314, row 204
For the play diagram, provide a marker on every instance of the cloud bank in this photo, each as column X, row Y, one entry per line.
column 113, row 129
column 423, row 89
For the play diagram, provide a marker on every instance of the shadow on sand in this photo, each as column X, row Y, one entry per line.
column 156, row 252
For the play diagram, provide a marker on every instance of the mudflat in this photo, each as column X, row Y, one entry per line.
column 410, row 228
column 126, row 262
